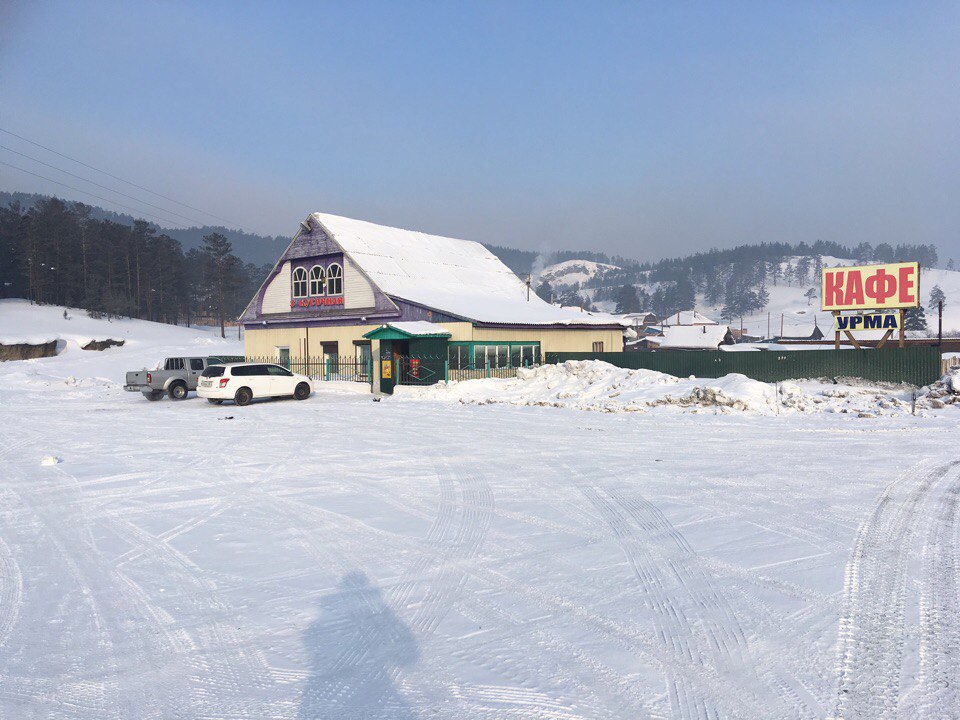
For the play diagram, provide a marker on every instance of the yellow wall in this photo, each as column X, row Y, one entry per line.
column 307, row 341
column 303, row 341
column 555, row 340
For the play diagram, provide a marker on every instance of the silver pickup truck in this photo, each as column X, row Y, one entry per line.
column 177, row 377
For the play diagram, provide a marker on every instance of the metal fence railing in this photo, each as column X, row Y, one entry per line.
column 224, row 359
column 326, row 367
column 427, row 370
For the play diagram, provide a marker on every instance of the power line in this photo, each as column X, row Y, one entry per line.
column 85, row 192
column 80, row 177
column 120, row 179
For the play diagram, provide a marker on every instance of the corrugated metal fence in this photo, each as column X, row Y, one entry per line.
column 915, row 365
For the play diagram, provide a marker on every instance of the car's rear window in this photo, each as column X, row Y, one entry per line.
column 245, row 370
column 213, row 371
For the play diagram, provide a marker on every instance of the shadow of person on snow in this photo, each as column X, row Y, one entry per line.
column 354, row 644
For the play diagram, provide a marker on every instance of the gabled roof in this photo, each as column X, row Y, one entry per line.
column 687, row 317
column 694, row 336
column 458, row 277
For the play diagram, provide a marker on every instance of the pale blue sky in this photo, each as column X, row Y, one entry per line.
column 646, row 129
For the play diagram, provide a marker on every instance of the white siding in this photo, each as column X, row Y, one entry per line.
column 357, row 291
column 276, row 298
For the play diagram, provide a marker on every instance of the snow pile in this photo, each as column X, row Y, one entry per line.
column 596, row 385
column 599, row 386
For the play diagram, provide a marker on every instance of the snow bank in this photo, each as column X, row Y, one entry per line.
column 596, row 385
column 599, row 386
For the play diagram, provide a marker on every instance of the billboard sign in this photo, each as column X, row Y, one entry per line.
column 868, row 321
column 871, row 287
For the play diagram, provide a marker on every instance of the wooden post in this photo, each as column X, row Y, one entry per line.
column 836, row 340
column 903, row 331
column 940, row 323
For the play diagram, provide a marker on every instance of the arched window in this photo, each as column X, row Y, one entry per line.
column 316, row 280
column 299, row 283
column 334, row 280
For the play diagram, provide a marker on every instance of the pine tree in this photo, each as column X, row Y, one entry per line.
column 810, row 295
column 763, row 296
column 221, row 265
column 915, row 319
column 937, row 296
column 545, row 291
column 627, row 300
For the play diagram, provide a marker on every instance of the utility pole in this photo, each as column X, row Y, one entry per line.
column 529, row 280
column 940, row 323
column 768, row 326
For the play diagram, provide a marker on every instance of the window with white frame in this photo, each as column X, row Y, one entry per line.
column 299, row 283
column 334, row 280
column 316, row 280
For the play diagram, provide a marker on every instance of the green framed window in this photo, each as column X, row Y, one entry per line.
column 492, row 354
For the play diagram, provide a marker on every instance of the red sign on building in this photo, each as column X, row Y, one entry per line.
column 316, row 302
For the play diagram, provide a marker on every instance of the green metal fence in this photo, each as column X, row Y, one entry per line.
column 914, row 365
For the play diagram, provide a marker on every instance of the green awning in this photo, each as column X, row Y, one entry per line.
column 408, row 331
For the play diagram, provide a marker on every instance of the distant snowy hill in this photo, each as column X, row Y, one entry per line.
column 800, row 314
column 572, row 272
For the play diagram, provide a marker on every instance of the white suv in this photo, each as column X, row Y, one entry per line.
column 242, row 382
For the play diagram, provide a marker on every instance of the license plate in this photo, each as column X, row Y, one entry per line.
column 205, row 383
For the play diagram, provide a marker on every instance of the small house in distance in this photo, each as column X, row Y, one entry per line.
column 686, row 317
column 696, row 337
column 347, row 287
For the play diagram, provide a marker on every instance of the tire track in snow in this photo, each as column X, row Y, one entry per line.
column 728, row 644
column 103, row 693
column 11, row 579
column 11, row 591
column 457, row 533
column 871, row 632
column 695, row 623
column 940, row 609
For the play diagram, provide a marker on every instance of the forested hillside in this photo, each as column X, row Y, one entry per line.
column 59, row 253
column 737, row 282
column 249, row 247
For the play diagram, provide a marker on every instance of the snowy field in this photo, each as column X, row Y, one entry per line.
column 413, row 558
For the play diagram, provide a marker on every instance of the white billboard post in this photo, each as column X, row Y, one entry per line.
column 865, row 288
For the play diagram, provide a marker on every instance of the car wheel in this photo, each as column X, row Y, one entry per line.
column 243, row 396
column 153, row 395
column 178, row 391
column 214, row 401
column 302, row 391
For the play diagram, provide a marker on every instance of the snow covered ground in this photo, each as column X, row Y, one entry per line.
column 343, row 558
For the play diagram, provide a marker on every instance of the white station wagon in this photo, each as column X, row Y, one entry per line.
column 242, row 382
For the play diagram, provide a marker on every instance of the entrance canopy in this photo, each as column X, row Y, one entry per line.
column 408, row 331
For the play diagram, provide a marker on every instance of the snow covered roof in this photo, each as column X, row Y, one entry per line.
column 459, row 277
column 419, row 328
column 694, row 336
column 687, row 317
